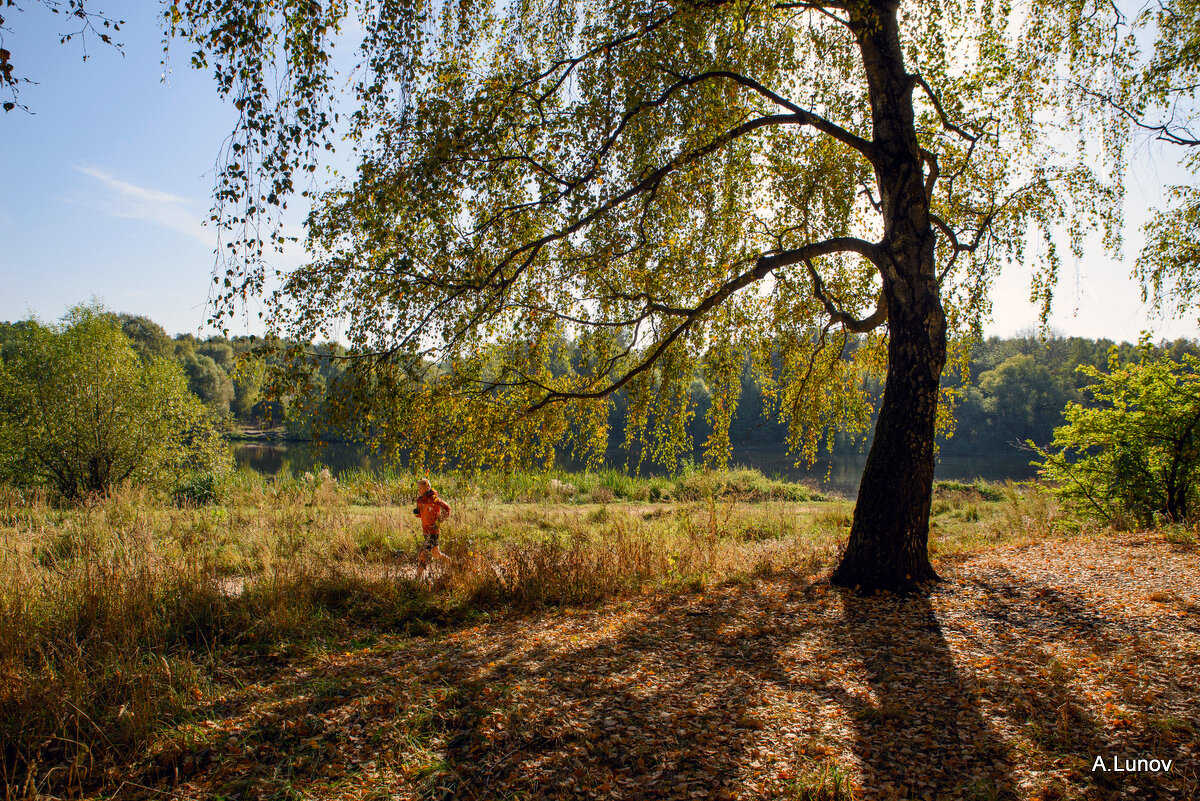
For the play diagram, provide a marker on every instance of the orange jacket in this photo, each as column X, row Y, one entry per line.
column 432, row 508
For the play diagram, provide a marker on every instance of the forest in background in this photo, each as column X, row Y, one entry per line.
column 1014, row 390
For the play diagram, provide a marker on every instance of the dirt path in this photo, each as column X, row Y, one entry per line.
column 1022, row 668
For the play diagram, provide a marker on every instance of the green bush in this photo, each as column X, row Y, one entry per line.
column 198, row 489
column 979, row 487
column 742, row 484
column 82, row 412
column 1133, row 457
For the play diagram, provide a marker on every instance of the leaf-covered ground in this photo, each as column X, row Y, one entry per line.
column 1008, row 681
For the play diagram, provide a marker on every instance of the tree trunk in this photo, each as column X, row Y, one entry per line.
column 889, row 539
column 888, row 546
column 1179, row 478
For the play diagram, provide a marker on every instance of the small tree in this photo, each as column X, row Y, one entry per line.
column 209, row 382
column 79, row 410
column 1136, row 454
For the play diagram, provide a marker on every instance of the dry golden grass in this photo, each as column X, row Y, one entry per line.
column 116, row 617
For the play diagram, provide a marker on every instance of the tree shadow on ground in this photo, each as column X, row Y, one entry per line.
column 997, row 714
column 917, row 727
column 657, row 708
column 1049, row 645
column 769, row 689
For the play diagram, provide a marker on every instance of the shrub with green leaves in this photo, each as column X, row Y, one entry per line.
column 197, row 489
column 82, row 412
column 1134, row 456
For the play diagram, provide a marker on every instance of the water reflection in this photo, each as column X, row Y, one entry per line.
column 300, row 457
column 838, row 474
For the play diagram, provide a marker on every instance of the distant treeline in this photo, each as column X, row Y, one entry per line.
column 221, row 372
column 1016, row 389
column 1019, row 387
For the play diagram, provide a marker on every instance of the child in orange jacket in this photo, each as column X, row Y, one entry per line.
column 432, row 510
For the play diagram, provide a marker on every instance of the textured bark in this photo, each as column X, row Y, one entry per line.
column 888, row 546
column 889, row 538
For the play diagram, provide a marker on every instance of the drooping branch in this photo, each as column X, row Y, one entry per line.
column 568, row 65
column 1165, row 131
column 799, row 116
column 805, row 116
column 840, row 316
column 763, row 266
column 488, row 293
column 941, row 111
column 498, row 281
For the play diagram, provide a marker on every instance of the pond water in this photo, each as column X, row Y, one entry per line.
column 838, row 474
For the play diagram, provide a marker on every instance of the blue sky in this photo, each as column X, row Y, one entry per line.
column 107, row 182
column 105, row 186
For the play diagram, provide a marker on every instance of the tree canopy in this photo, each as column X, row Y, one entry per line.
column 1159, row 93
column 81, row 412
column 667, row 184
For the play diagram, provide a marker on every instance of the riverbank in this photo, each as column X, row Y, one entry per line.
column 832, row 474
column 239, row 433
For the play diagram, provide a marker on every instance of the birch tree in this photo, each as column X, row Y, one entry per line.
column 667, row 185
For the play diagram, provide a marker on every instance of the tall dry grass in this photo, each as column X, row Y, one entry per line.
column 118, row 616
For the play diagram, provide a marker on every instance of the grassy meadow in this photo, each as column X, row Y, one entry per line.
column 122, row 619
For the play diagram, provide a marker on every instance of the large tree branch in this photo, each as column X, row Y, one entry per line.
column 763, row 266
column 807, row 117
column 839, row 316
column 821, row 8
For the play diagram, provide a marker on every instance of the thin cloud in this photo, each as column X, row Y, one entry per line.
column 130, row 201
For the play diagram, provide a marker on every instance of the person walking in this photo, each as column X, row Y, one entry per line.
column 432, row 510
